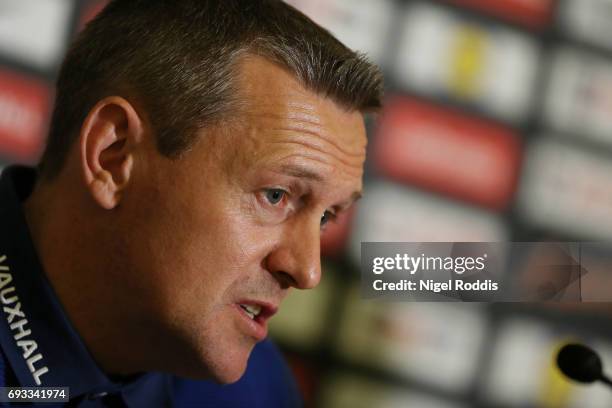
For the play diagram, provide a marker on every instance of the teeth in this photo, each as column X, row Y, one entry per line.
column 251, row 310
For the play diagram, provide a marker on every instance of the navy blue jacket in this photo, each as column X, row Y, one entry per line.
column 40, row 347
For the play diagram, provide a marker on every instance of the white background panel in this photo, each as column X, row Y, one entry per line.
column 588, row 20
column 34, row 31
column 567, row 190
column 415, row 339
column 579, row 99
column 350, row 391
column 362, row 25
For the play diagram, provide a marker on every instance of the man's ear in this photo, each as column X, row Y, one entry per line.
column 110, row 132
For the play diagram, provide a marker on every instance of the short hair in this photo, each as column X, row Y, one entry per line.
column 178, row 59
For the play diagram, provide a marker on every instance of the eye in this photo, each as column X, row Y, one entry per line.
column 275, row 195
column 326, row 217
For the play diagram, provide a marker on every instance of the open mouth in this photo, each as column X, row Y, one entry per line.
column 251, row 310
column 258, row 311
column 255, row 315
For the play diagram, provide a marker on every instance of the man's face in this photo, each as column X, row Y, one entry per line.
column 237, row 221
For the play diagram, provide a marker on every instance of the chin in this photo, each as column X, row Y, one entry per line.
column 225, row 365
column 229, row 376
column 217, row 352
column 230, row 368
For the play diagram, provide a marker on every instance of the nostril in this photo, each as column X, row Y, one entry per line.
column 285, row 279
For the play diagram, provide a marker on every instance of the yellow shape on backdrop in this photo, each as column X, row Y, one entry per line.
column 467, row 61
column 556, row 388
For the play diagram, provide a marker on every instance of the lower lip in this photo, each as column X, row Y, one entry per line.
column 256, row 329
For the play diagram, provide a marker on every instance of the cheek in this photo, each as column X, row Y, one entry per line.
column 222, row 250
column 243, row 237
column 198, row 247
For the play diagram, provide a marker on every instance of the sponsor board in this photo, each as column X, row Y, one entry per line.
column 522, row 369
column 490, row 67
column 413, row 340
column 350, row 390
column 393, row 213
column 565, row 189
column 579, row 99
column 445, row 151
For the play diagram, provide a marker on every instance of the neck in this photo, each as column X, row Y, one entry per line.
column 84, row 278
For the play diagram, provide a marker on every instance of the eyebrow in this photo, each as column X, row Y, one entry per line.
column 301, row 172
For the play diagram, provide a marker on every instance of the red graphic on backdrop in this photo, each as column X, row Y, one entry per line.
column 531, row 13
column 24, row 108
column 445, row 151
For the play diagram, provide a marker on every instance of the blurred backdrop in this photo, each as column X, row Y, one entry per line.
column 497, row 127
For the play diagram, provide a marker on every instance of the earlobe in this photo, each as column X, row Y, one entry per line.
column 110, row 134
column 100, row 191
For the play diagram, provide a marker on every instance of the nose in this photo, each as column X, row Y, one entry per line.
column 296, row 261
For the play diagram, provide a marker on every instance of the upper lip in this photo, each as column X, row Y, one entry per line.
column 267, row 309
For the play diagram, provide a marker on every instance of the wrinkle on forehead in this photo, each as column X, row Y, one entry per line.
column 310, row 151
column 275, row 102
column 317, row 127
column 281, row 139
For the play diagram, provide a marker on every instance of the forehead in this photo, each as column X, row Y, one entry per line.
column 285, row 121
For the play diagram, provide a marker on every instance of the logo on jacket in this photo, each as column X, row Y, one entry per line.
column 17, row 321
